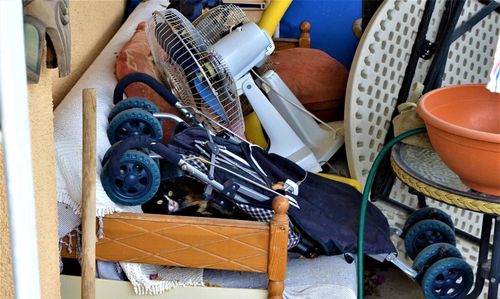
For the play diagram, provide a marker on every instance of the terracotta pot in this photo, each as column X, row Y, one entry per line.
column 463, row 123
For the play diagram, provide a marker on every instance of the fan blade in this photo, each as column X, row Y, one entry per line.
column 210, row 99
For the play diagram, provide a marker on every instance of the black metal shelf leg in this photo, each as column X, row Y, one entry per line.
column 483, row 256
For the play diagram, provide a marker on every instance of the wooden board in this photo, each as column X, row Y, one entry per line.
column 194, row 242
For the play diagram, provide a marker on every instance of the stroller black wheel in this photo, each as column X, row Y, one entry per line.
column 449, row 278
column 133, row 122
column 107, row 155
column 427, row 213
column 432, row 254
column 137, row 182
column 425, row 233
column 133, row 102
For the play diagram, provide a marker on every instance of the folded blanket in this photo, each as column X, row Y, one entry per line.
column 68, row 143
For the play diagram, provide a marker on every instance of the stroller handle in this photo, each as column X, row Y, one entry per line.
column 140, row 142
column 149, row 81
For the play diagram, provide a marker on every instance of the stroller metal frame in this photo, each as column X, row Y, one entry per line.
column 170, row 155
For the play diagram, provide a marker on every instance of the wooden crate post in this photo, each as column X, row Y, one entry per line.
column 278, row 248
column 88, row 193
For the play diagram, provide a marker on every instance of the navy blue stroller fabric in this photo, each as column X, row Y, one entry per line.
column 329, row 210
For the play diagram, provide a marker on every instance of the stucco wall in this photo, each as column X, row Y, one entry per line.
column 42, row 140
column 93, row 23
column 44, row 173
column 5, row 257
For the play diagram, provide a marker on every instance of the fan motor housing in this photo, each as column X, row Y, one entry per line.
column 244, row 48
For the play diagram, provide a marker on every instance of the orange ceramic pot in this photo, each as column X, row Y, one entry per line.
column 463, row 123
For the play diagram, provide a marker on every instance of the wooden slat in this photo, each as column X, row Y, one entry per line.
column 88, row 193
column 281, row 44
column 188, row 220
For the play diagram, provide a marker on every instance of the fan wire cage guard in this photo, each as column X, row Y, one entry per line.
column 197, row 75
column 220, row 21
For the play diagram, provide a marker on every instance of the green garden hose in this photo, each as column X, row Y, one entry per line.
column 366, row 193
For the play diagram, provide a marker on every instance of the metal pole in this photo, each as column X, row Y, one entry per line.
column 17, row 151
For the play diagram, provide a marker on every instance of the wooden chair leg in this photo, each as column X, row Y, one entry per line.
column 278, row 249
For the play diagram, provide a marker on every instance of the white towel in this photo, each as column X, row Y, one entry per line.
column 68, row 143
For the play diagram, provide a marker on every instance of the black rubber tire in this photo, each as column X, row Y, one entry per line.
column 133, row 122
column 138, row 182
column 432, row 254
column 107, row 155
column 427, row 213
column 133, row 102
column 425, row 233
column 449, row 278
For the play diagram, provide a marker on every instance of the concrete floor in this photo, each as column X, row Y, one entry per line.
column 395, row 284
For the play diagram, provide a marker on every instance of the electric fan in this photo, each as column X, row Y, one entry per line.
column 210, row 77
column 199, row 80
column 220, row 23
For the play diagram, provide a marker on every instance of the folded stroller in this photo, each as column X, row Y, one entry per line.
column 323, row 214
column 321, row 210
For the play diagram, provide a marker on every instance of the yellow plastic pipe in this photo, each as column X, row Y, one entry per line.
column 253, row 130
column 344, row 180
column 273, row 14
